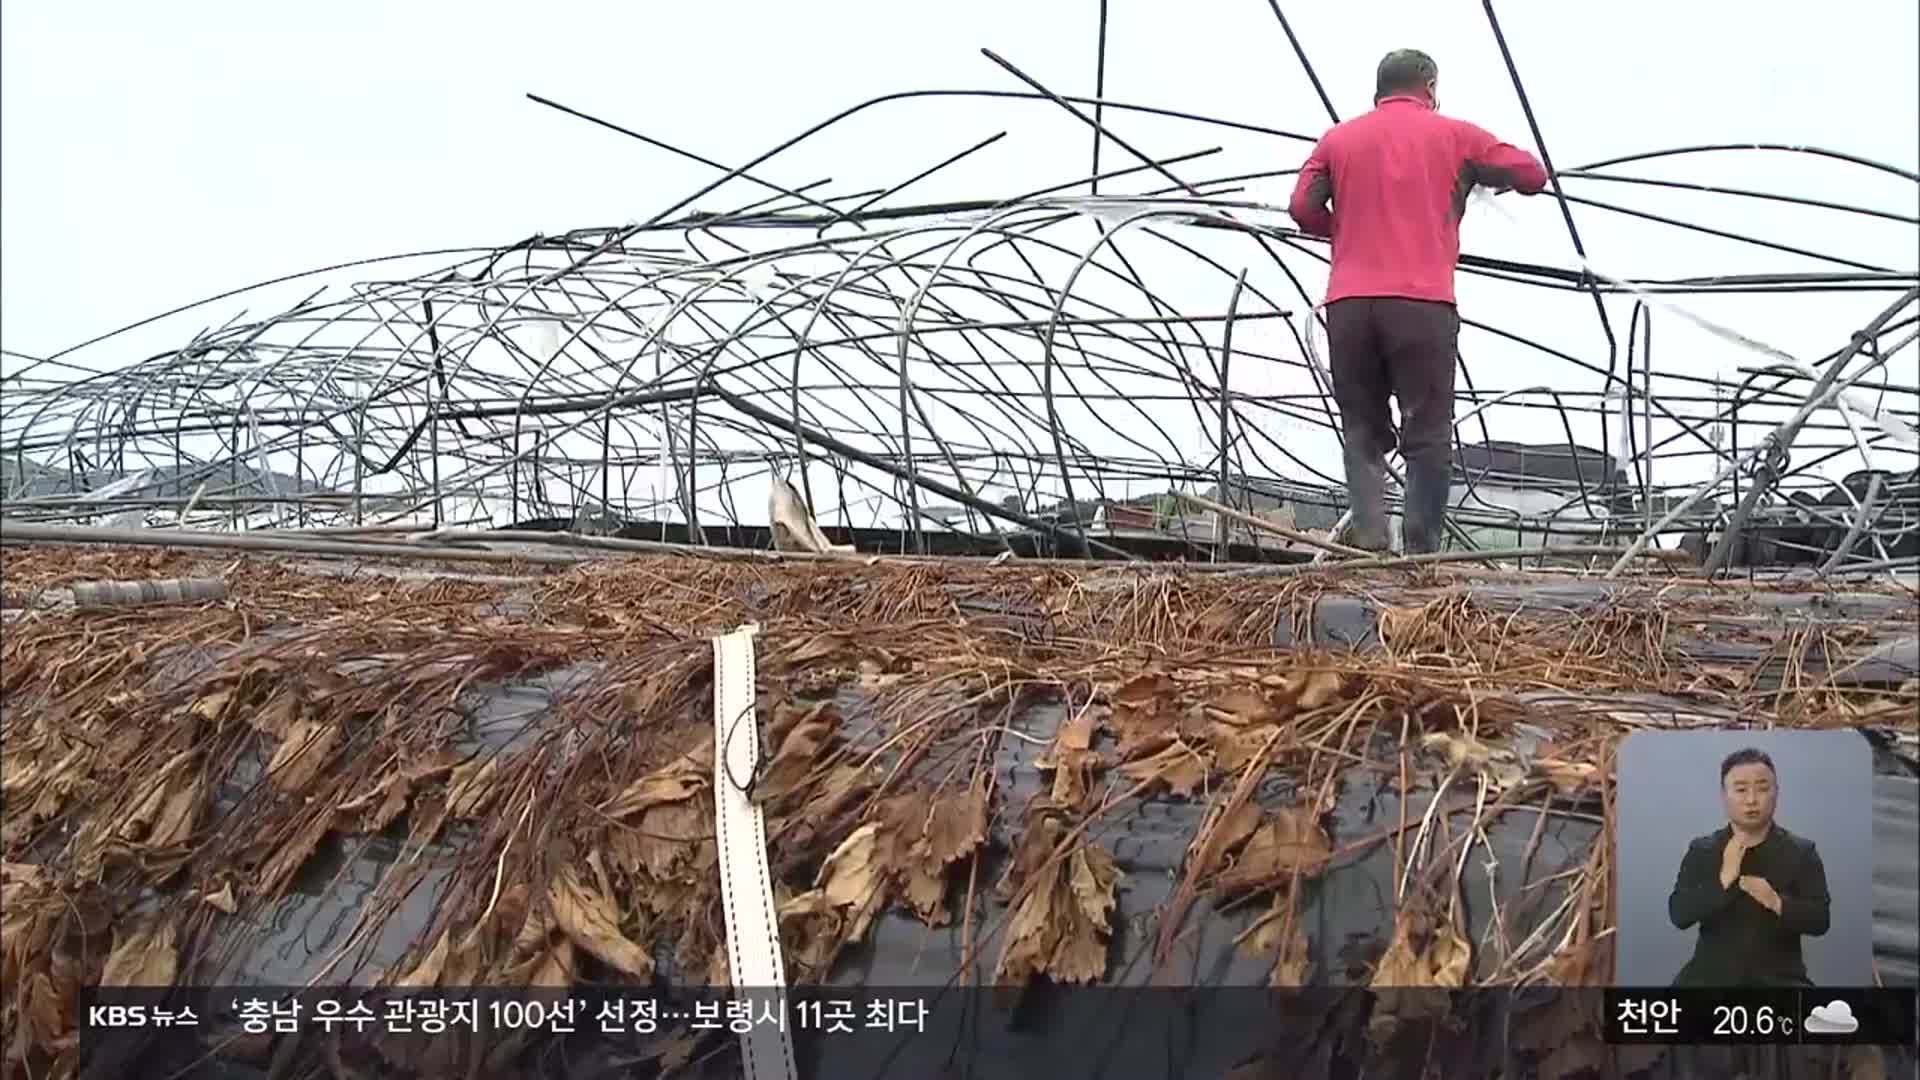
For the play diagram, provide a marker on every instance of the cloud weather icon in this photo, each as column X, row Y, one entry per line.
column 1833, row 1018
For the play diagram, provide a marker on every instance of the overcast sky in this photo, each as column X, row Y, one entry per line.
column 152, row 155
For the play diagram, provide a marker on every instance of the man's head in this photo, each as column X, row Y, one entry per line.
column 1749, row 786
column 1407, row 72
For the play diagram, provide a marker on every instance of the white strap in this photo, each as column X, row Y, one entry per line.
column 746, row 884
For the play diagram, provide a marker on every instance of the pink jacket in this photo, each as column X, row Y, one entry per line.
column 1398, row 178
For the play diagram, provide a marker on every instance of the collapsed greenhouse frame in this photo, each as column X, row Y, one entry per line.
column 880, row 348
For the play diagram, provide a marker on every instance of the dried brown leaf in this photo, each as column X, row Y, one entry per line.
column 1450, row 958
column 432, row 766
column 44, row 1012
column 1312, row 689
column 427, row 972
column 1148, row 688
column 22, row 875
column 650, row 791
column 1073, row 774
column 211, row 707
column 670, row 836
column 878, row 674
column 1244, row 704
column 801, row 740
column 292, row 854
column 1180, row 768
column 1231, row 829
column 810, row 932
column 809, row 650
column 26, row 932
column 1440, row 960
column 1093, row 876
column 537, row 923
column 1290, row 842
column 1424, row 954
column 552, row 969
column 1143, row 716
column 222, row 899
column 1060, row 926
column 958, row 827
column 1071, row 761
column 380, row 807
column 955, row 827
column 592, row 920
column 1276, row 935
column 1570, row 965
column 1233, row 748
column 178, row 815
column 1076, row 733
column 831, row 794
column 925, row 890
column 1039, row 836
column 471, row 785
column 155, row 794
column 1459, row 748
column 143, row 956
column 1081, row 955
column 302, row 755
column 275, row 718
column 1032, row 936
column 854, row 877
column 1400, row 626
column 1142, row 730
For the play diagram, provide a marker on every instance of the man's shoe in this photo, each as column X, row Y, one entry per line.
column 1366, row 500
column 1429, row 480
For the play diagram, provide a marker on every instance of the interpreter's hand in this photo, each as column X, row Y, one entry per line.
column 1758, row 888
column 1730, row 857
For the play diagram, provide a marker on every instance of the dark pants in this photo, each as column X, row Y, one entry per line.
column 1405, row 349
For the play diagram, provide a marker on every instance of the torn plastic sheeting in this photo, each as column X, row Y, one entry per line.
column 1346, row 911
column 793, row 526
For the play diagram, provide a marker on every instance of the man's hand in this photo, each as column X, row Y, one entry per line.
column 1730, row 857
column 1758, row 888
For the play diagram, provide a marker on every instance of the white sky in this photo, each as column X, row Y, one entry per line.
column 152, row 155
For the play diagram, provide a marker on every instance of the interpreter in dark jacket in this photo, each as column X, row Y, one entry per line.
column 1752, row 887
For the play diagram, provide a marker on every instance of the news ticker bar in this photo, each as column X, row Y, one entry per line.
column 382, row 1012
column 1841, row 1016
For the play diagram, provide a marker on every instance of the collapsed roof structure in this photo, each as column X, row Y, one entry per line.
column 1138, row 332
column 293, row 769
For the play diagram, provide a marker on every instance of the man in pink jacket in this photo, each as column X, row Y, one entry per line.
column 1398, row 180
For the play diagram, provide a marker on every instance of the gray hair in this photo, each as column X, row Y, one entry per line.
column 1404, row 71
